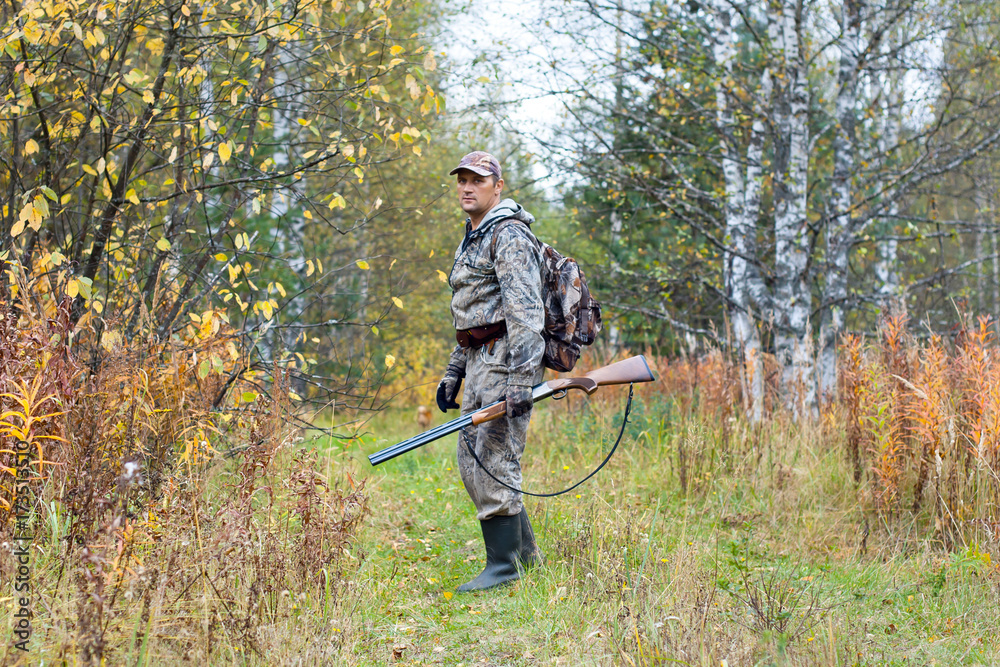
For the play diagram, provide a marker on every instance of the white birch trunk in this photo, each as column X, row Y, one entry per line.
column 887, row 247
column 614, row 333
column 996, row 272
column 282, row 130
column 839, row 233
column 980, row 257
column 793, row 301
column 994, row 230
column 740, row 218
column 745, row 273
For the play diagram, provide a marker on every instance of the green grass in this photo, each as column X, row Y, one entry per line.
column 701, row 543
column 759, row 557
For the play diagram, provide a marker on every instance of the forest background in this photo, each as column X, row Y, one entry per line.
column 226, row 233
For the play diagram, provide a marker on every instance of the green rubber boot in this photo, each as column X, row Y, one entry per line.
column 531, row 555
column 502, row 535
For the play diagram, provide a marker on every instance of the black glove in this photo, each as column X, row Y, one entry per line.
column 449, row 387
column 518, row 400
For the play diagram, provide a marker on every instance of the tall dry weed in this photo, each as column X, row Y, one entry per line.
column 173, row 514
column 925, row 424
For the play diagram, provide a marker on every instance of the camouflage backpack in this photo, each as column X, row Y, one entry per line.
column 572, row 315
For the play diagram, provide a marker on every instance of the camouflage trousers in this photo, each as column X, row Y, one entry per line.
column 499, row 443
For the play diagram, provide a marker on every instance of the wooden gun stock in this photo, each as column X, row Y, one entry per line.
column 500, row 409
column 633, row 369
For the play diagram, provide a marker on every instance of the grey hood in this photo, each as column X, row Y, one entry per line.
column 507, row 208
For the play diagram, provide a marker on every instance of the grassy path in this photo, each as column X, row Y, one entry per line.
column 691, row 547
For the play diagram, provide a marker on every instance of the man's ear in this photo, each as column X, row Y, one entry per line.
column 499, row 186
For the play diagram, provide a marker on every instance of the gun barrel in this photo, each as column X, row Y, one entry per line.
column 539, row 391
column 390, row 453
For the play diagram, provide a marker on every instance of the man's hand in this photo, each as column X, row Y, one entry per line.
column 449, row 387
column 518, row 400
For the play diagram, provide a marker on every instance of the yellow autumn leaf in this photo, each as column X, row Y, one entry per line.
column 447, row 595
column 337, row 202
column 399, row 302
column 147, row 97
column 163, row 245
column 30, row 146
column 225, row 152
column 207, row 161
column 396, row 50
column 221, row 257
column 131, row 196
column 362, row 264
column 442, row 276
column 390, row 361
column 72, row 289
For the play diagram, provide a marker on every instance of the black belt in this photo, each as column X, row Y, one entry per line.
column 479, row 336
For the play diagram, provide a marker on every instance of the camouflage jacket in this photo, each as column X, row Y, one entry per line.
column 508, row 287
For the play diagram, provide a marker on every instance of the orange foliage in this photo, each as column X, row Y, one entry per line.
column 925, row 421
column 127, row 439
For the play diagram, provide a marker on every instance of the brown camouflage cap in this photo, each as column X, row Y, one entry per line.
column 479, row 162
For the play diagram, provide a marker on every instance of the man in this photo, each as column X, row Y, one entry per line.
column 498, row 314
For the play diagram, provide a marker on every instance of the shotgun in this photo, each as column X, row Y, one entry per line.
column 627, row 371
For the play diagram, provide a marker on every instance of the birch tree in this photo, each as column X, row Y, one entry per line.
column 840, row 235
column 771, row 165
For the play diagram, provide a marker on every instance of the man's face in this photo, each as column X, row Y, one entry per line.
column 477, row 194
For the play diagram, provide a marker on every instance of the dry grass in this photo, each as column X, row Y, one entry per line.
column 174, row 526
column 174, row 517
column 707, row 539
